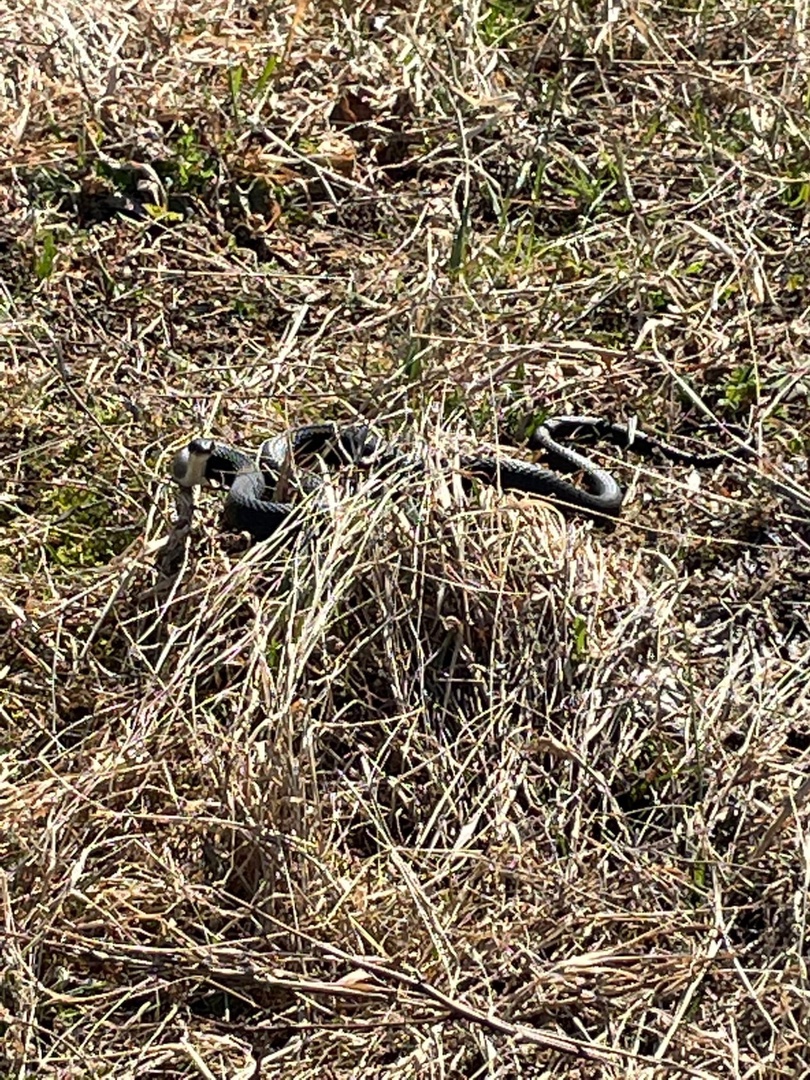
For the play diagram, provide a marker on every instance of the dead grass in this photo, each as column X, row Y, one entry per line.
column 453, row 787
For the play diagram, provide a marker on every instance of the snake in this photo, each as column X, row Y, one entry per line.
column 251, row 479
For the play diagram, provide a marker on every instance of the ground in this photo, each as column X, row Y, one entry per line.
column 447, row 783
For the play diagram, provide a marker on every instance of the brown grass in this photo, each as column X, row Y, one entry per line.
column 455, row 786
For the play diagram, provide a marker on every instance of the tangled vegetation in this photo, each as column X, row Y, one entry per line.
column 455, row 786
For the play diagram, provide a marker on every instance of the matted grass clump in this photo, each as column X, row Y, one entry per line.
column 440, row 783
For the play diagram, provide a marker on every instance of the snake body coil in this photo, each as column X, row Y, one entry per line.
column 248, row 481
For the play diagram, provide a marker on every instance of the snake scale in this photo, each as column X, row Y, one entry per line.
column 249, row 481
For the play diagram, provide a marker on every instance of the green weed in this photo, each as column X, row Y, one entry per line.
column 742, row 388
column 43, row 267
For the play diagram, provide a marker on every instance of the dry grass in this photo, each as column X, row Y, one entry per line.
column 454, row 787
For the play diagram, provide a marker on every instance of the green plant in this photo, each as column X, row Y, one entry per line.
column 235, row 77
column 796, row 193
column 191, row 167
column 742, row 388
column 79, row 533
column 43, row 267
column 579, row 632
column 501, row 19
column 268, row 71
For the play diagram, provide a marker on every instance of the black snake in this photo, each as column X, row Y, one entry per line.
column 248, row 480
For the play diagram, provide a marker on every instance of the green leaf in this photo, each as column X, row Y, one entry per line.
column 44, row 264
column 235, row 76
column 580, row 632
column 160, row 213
column 268, row 71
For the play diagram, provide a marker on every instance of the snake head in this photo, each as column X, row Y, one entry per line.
column 188, row 464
